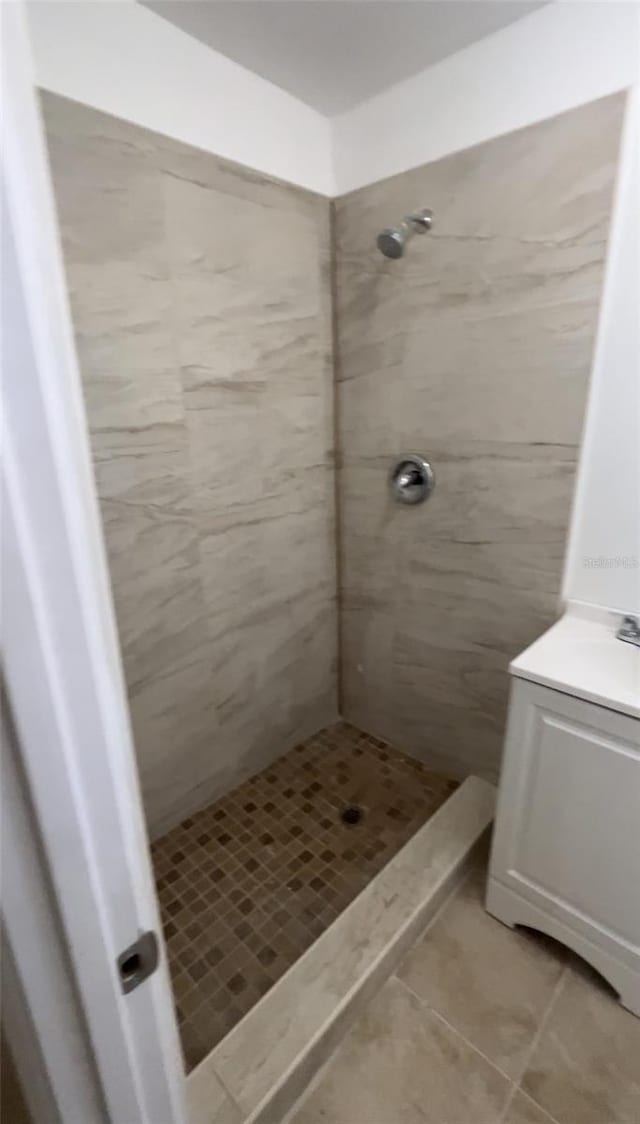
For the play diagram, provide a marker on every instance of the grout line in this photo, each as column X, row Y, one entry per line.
column 432, row 1011
column 227, row 1091
column 337, row 459
column 543, row 1021
column 326, row 1066
column 509, row 1101
column 471, row 1045
column 514, row 1087
column 534, row 1043
column 514, row 1083
column 528, row 1097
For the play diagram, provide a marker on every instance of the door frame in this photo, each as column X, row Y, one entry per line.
column 62, row 666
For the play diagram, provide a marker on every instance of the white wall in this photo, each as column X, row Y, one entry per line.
column 603, row 563
column 122, row 58
column 556, row 58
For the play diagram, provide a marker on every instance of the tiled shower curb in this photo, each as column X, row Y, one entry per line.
column 268, row 1059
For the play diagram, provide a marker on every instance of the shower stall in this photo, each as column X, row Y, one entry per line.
column 204, row 336
column 313, row 667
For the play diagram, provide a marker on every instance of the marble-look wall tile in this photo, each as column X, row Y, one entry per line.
column 201, row 296
column 199, row 299
column 475, row 350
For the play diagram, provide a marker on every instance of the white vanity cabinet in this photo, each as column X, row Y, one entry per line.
column 566, row 849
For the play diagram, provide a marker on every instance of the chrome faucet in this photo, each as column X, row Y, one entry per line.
column 629, row 631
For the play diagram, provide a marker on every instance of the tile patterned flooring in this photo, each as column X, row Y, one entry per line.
column 247, row 884
column 484, row 1025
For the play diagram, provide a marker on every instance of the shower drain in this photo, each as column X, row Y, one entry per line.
column 352, row 814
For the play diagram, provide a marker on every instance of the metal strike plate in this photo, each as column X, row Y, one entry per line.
column 412, row 480
column 138, row 962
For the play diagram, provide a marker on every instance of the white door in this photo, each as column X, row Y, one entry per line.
column 62, row 667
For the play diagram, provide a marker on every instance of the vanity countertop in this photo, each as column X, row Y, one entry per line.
column 581, row 656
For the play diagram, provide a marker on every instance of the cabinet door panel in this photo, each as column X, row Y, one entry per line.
column 567, row 830
column 579, row 838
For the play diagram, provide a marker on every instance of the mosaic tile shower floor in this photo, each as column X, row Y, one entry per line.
column 247, row 884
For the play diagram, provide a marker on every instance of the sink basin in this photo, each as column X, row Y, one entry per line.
column 582, row 656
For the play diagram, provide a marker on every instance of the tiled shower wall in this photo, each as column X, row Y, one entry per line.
column 474, row 350
column 201, row 299
column 201, row 303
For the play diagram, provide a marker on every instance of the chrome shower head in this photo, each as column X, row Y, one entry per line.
column 392, row 241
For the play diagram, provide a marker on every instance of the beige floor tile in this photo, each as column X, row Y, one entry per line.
column 586, row 1067
column 401, row 1064
column 207, row 1100
column 490, row 983
column 523, row 1110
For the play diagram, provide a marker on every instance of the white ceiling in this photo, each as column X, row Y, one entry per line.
column 333, row 54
